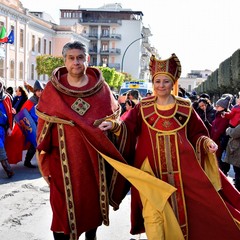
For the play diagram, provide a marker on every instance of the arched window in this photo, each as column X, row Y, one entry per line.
column 2, row 68
column 21, row 70
column 12, row 68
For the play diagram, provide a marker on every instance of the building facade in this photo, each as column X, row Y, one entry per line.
column 34, row 34
column 115, row 38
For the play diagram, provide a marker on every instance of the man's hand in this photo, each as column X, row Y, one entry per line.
column 106, row 125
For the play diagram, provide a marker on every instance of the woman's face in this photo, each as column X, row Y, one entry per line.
column 162, row 85
column 128, row 107
column 18, row 92
column 219, row 108
column 202, row 105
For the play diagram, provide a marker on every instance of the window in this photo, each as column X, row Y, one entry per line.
column 1, row 68
column 21, row 38
column 12, row 68
column 39, row 45
column 104, row 61
column 105, row 46
column 44, row 46
column 50, row 48
column 32, row 71
column 33, row 43
column 21, row 70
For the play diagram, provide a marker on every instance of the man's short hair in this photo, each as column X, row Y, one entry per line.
column 73, row 45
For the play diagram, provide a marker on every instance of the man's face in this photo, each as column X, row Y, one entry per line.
column 76, row 62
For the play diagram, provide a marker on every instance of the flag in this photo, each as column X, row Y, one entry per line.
column 11, row 37
column 3, row 37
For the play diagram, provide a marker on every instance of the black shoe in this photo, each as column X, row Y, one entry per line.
column 7, row 168
column 29, row 165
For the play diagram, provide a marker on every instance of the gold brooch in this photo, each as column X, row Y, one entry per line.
column 80, row 106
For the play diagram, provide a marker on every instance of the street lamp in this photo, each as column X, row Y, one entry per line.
column 128, row 48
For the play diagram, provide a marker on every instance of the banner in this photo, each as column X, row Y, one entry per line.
column 27, row 125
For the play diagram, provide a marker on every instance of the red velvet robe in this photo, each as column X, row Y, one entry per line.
column 90, row 184
column 169, row 139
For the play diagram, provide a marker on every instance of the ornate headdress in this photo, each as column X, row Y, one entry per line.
column 170, row 67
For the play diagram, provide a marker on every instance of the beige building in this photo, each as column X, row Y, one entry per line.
column 194, row 79
column 34, row 34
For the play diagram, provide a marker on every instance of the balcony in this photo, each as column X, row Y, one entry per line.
column 111, row 37
column 110, row 51
column 93, row 36
column 111, row 65
column 96, row 22
column 93, row 51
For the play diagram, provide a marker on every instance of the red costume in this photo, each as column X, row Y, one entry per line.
column 173, row 143
column 17, row 140
column 82, row 185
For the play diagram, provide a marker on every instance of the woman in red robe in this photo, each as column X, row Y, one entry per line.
column 172, row 144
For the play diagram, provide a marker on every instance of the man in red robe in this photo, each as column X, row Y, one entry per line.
column 82, row 185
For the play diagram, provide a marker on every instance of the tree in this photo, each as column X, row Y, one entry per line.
column 47, row 63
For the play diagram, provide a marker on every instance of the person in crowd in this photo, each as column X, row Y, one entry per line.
column 194, row 100
column 6, row 125
column 9, row 90
column 129, row 104
column 19, row 99
column 173, row 146
column 233, row 152
column 206, row 111
column 234, row 114
column 74, row 102
column 30, row 105
column 149, row 94
column 134, row 95
column 218, row 131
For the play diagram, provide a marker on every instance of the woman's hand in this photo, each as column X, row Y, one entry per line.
column 106, row 125
column 9, row 132
column 212, row 147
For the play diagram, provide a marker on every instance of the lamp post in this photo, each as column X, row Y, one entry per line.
column 128, row 48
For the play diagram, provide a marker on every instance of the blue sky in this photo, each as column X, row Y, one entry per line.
column 201, row 33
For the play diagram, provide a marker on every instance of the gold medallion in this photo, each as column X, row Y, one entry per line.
column 80, row 106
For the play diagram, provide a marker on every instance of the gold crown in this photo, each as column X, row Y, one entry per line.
column 170, row 67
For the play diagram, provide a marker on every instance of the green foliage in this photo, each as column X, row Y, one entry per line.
column 112, row 77
column 47, row 63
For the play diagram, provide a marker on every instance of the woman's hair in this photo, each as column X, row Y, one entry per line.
column 130, row 103
column 74, row 45
column 204, row 100
column 23, row 91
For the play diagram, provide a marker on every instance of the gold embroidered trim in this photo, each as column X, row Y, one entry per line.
column 75, row 93
column 168, row 120
column 67, row 183
column 44, row 131
column 53, row 119
column 103, row 191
